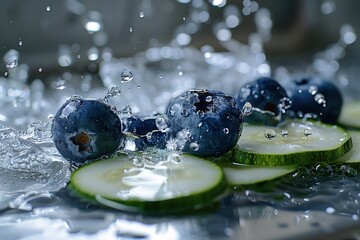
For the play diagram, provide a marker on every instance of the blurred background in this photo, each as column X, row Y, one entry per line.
column 41, row 31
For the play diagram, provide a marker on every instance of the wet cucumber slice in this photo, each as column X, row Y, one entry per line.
column 165, row 187
column 354, row 159
column 295, row 143
column 350, row 115
column 237, row 175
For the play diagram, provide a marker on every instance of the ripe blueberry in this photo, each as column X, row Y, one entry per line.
column 86, row 129
column 268, row 99
column 314, row 95
column 210, row 122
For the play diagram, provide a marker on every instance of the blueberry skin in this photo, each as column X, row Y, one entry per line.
column 85, row 129
column 266, row 96
column 142, row 128
column 213, row 120
column 307, row 95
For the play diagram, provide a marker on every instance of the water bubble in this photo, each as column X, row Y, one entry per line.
column 130, row 29
column 194, row 146
column 247, row 109
column 307, row 133
column 270, row 134
column 185, row 112
column 11, row 58
column 112, row 92
column 161, row 122
column 226, row 131
column 183, row 39
column 284, row 104
column 208, row 99
column 20, row 42
column 313, row 89
column 218, row 3
column 126, row 110
column 40, row 69
column 138, row 162
column 284, row 133
column 148, row 135
column 48, row 8
column 141, row 14
column 319, row 98
column 126, row 75
column 60, row 84
column 174, row 157
column 12, row 62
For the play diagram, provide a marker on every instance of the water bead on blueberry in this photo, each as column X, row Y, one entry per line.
column 210, row 121
column 315, row 96
column 85, row 129
column 268, row 99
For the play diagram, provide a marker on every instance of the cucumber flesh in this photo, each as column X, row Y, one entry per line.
column 296, row 142
column 354, row 159
column 350, row 115
column 237, row 175
column 164, row 187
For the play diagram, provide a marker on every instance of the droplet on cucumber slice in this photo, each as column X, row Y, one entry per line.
column 163, row 187
column 350, row 115
column 305, row 143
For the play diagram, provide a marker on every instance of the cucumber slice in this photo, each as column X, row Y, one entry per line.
column 237, row 175
column 350, row 115
column 297, row 142
column 354, row 159
column 164, row 187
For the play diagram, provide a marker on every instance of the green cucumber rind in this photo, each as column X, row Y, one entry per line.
column 298, row 158
column 194, row 201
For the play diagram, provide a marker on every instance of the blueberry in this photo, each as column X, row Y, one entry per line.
column 314, row 95
column 210, row 122
column 85, row 129
column 147, row 131
column 268, row 98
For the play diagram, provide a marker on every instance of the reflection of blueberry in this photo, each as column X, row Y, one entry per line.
column 268, row 98
column 212, row 121
column 86, row 129
column 146, row 132
column 316, row 96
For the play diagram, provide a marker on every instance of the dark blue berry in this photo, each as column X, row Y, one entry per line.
column 146, row 132
column 315, row 96
column 211, row 120
column 85, row 129
column 268, row 98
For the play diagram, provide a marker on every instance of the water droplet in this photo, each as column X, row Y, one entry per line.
column 48, row 9
column 161, row 122
column 319, row 98
column 284, row 133
column 6, row 74
column 313, row 90
column 148, row 136
column 330, row 210
column 307, row 132
column 226, row 130
column 20, row 42
column 141, row 14
column 130, row 29
column 126, row 75
column 126, row 110
column 270, row 134
column 40, row 69
column 60, row 84
column 173, row 157
column 194, row 146
column 12, row 61
column 247, row 109
column 112, row 92
column 208, row 98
